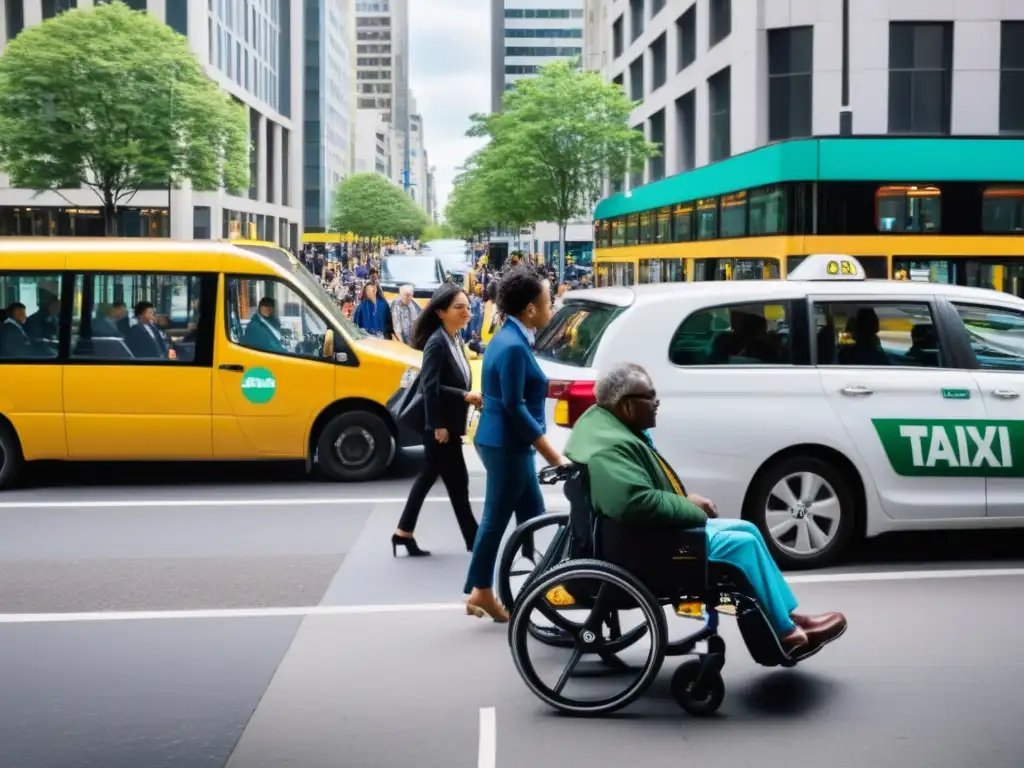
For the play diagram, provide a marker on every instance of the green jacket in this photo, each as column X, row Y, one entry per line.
column 627, row 482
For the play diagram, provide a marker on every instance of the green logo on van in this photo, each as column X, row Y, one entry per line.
column 920, row 448
column 259, row 386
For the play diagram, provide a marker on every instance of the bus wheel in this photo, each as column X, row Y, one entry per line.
column 355, row 446
column 10, row 456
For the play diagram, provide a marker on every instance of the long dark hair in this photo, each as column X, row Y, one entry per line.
column 429, row 321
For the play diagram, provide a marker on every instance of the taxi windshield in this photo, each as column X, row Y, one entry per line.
column 311, row 286
column 418, row 271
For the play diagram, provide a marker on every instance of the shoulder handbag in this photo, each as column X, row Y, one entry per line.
column 407, row 408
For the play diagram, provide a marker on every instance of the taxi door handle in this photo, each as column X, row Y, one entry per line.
column 232, row 367
column 857, row 391
column 1006, row 394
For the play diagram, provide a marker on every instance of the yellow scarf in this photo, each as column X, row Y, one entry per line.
column 669, row 474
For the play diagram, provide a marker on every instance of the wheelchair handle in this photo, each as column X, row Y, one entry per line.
column 552, row 475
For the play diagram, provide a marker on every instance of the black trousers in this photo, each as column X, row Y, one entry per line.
column 444, row 460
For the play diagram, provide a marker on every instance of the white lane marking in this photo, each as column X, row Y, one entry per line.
column 365, row 610
column 487, row 755
column 142, row 503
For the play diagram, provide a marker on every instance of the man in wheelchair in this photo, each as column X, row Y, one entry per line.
column 634, row 488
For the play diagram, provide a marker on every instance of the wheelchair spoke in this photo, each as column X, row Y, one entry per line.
column 558, row 619
column 577, row 654
column 597, row 613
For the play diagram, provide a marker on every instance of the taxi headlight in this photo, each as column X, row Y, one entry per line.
column 408, row 377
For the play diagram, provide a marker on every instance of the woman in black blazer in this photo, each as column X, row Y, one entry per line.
column 445, row 381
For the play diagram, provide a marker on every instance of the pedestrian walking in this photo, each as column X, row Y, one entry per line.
column 511, row 429
column 445, row 381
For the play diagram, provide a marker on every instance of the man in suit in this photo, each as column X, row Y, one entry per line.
column 145, row 339
column 14, row 340
column 264, row 332
column 44, row 324
column 112, row 323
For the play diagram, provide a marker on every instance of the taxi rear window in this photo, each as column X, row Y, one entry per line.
column 574, row 332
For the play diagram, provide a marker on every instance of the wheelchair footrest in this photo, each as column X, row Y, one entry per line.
column 759, row 637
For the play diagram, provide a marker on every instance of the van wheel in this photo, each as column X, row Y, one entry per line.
column 355, row 446
column 805, row 509
column 10, row 456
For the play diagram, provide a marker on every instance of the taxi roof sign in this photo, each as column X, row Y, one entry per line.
column 828, row 267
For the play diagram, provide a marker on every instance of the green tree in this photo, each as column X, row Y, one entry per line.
column 558, row 137
column 369, row 205
column 113, row 100
column 438, row 232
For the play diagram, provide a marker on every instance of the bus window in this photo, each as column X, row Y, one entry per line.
column 994, row 273
column 736, row 269
column 682, row 223
column 1002, row 210
column 646, row 228
column 615, row 274
column 734, row 215
column 618, row 231
column 663, row 271
column 707, row 219
column 664, row 231
column 768, row 211
column 909, row 208
column 632, row 229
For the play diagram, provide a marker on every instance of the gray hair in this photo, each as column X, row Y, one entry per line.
column 406, row 289
column 623, row 379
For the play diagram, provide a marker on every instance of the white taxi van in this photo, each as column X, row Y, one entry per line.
column 824, row 407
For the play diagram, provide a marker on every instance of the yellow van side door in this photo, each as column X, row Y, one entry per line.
column 272, row 379
column 30, row 368
column 139, row 374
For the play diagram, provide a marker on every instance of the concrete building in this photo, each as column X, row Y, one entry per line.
column 432, row 212
column 373, row 144
column 721, row 77
column 382, row 74
column 254, row 51
column 329, row 155
column 527, row 34
column 417, row 161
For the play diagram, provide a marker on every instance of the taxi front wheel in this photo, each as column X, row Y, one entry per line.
column 10, row 456
column 805, row 509
column 355, row 446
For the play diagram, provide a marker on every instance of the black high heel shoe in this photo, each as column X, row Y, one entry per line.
column 412, row 549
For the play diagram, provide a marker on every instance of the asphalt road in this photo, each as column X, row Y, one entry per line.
column 245, row 616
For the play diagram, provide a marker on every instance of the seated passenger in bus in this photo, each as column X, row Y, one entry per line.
column 14, row 340
column 111, row 321
column 44, row 324
column 264, row 329
column 145, row 339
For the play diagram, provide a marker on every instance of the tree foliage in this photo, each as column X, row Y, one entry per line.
column 112, row 99
column 438, row 232
column 558, row 137
column 369, row 205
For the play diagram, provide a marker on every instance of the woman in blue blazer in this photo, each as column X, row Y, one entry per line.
column 511, row 430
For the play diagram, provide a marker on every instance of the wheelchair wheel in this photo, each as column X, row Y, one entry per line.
column 698, row 703
column 614, row 594
column 517, row 569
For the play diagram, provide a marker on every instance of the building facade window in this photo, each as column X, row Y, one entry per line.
column 659, row 61
column 53, row 8
column 719, row 21
column 686, row 34
column 920, row 77
column 15, row 17
column 656, row 134
column 618, row 37
column 790, row 82
column 636, row 78
column 686, row 119
column 657, row 7
column 636, row 19
column 719, row 115
column 1011, row 77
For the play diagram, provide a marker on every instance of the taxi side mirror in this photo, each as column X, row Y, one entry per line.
column 329, row 344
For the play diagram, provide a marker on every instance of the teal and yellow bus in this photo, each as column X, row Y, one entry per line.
column 934, row 209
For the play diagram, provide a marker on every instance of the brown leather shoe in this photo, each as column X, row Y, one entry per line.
column 815, row 623
column 822, row 629
column 795, row 641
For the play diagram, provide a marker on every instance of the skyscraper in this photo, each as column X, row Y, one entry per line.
column 329, row 107
column 382, row 71
column 527, row 34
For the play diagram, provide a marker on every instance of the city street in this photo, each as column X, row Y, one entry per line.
column 250, row 617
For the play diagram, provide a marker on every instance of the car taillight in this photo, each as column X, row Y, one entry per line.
column 573, row 398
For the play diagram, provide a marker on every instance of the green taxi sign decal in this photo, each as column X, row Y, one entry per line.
column 952, row 448
column 956, row 394
column 259, row 386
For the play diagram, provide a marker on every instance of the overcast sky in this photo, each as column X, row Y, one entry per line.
column 450, row 76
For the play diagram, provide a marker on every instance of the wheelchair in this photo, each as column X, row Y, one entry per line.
column 578, row 573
